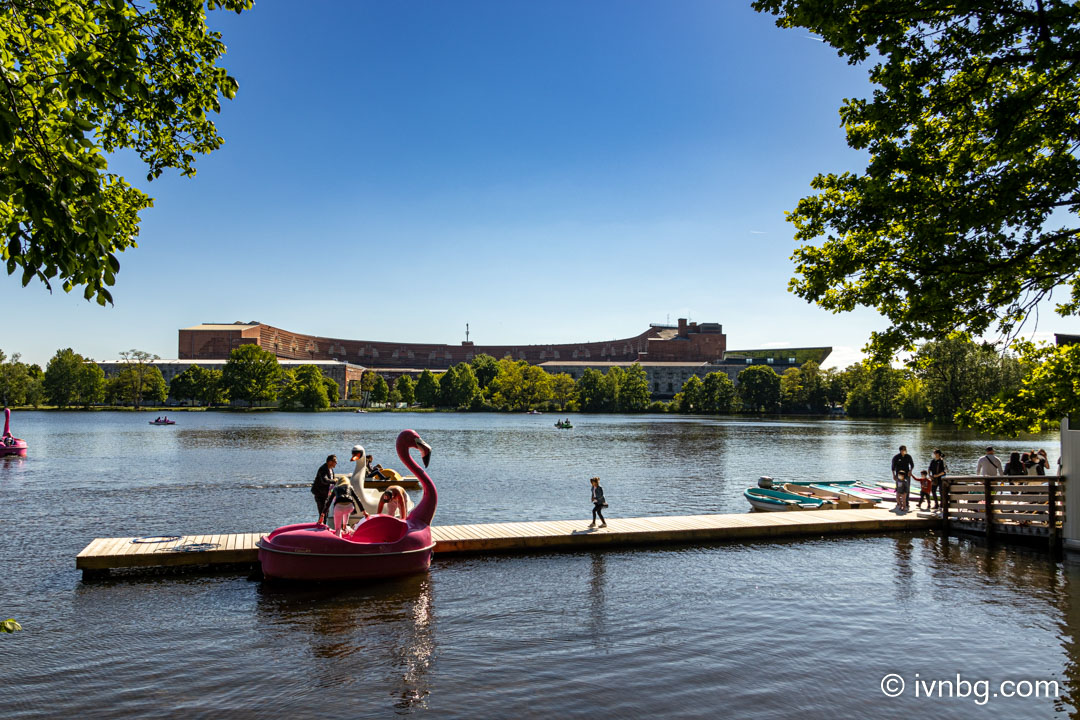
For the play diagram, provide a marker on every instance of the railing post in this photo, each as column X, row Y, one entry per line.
column 945, row 500
column 989, row 509
column 1051, row 524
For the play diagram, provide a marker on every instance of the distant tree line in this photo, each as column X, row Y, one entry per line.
column 943, row 380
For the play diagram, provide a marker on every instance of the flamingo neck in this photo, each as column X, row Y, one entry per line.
column 424, row 511
column 7, row 421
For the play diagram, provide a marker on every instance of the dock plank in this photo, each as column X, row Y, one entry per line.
column 241, row 548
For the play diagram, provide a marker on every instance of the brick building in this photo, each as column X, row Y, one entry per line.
column 670, row 354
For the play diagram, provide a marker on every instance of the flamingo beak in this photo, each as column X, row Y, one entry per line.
column 425, row 451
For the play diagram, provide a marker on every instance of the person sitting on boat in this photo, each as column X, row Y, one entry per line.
column 345, row 502
column 393, row 500
column 376, row 472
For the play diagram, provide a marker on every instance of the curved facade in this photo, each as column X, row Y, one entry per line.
column 686, row 342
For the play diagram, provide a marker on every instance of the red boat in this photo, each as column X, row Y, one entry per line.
column 9, row 444
column 381, row 546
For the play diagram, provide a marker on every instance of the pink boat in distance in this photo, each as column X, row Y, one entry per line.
column 9, row 444
column 379, row 547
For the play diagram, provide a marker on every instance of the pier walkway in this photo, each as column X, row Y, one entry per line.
column 104, row 554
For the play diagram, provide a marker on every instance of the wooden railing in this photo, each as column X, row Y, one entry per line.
column 1031, row 505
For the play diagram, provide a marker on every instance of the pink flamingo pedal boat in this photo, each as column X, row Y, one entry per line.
column 381, row 546
column 9, row 444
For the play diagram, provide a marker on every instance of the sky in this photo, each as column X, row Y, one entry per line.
column 545, row 172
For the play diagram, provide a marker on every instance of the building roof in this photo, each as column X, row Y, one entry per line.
column 222, row 326
column 219, row 361
column 621, row 363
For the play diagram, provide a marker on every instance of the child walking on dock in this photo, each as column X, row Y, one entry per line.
column 598, row 502
column 925, row 484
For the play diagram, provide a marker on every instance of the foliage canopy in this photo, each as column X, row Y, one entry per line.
column 965, row 216
column 81, row 80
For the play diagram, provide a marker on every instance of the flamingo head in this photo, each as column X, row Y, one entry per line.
column 357, row 452
column 409, row 439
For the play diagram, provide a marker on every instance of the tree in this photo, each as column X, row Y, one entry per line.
column 427, row 389
column 251, row 374
column 634, row 390
column 690, row 395
column 82, row 81
column 485, row 367
column 406, row 389
column 718, row 394
column 305, row 388
column 14, row 380
column 1049, row 391
column 563, row 391
column 536, row 389
column 197, row 384
column 957, row 373
column 965, row 217
column 380, row 391
column 873, row 389
column 70, row 379
column 89, row 384
column 333, row 390
column 759, row 388
column 137, row 370
column 590, row 390
column 458, row 386
column 134, row 384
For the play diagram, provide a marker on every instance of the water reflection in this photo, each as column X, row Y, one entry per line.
column 376, row 637
column 598, row 609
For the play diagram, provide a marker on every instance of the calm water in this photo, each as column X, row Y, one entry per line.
column 744, row 630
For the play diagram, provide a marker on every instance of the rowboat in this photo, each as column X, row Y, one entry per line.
column 846, row 502
column 778, row 500
column 846, row 491
column 767, row 482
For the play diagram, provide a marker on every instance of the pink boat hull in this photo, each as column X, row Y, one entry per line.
column 19, row 448
column 312, row 551
column 381, row 546
column 9, row 444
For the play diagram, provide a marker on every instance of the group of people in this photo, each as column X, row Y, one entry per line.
column 903, row 466
column 1033, row 462
column 334, row 493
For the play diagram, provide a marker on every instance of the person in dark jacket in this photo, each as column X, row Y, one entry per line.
column 902, row 461
column 598, row 503
column 937, row 472
column 320, row 488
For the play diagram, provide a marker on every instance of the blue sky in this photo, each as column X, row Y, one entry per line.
column 546, row 172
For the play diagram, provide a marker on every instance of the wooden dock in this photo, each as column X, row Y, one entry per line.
column 104, row 554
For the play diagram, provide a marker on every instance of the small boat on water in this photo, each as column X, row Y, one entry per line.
column 162, row 422
column 9, row 444
column 778, row 500
column 381, row 546
column 563, row 425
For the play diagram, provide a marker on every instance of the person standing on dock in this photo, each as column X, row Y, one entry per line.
column 598, row 503
column 324, row 480
column 988, row 464
column 937, row 472
column 902, row 461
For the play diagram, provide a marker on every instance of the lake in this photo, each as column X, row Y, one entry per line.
column 766, row 629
